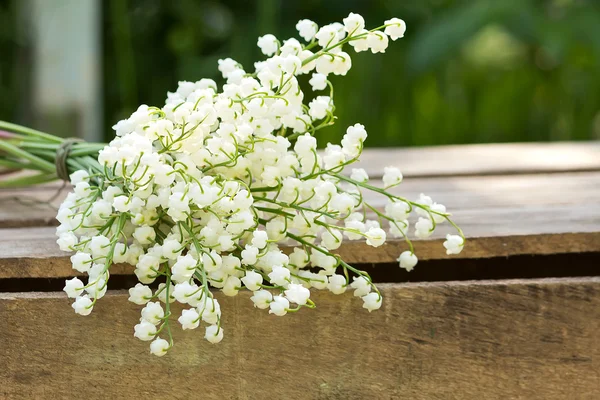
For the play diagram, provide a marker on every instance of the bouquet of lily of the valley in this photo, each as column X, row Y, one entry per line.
column 208, row 190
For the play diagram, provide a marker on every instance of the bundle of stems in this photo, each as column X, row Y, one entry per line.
column 26, row 149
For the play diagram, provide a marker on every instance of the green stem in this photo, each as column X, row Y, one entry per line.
column 168, row 309
column 28, row 180
column 39, row 162
column 17, row 165
column 89, row 149
column 340, row 43
column 10, row 127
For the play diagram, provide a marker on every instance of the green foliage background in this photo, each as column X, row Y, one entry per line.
column 466, row 72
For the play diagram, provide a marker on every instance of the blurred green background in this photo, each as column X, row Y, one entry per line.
column 466, row 72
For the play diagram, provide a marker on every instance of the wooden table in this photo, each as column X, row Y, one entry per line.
column 517, row 316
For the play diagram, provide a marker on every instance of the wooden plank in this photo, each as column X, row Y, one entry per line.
column 484, row 159
column 444, row 161
column 501, row 216
column 473, row 340
column 35, row 206
column 33, row 253
column 505, row 193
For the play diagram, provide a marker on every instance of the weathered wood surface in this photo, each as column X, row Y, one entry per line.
column 33, row 253
column 519, row 339
column 501, row 215
column 34, row 206
column 441, row 161
column 484, row 159
column 472, row 340
column 488, row 195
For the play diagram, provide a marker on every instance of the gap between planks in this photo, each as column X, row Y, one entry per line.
column 501, row 216
column 384, row 286
column 42, row 258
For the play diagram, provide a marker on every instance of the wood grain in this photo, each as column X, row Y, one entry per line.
column 526, row 339
column 501, row 216
column 444, row 161
column 474, row 340
column 484, row 159
column 33, row 253
column 35, row 206
column 560, row 195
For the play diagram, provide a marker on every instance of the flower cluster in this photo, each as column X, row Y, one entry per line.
column 209, row 190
